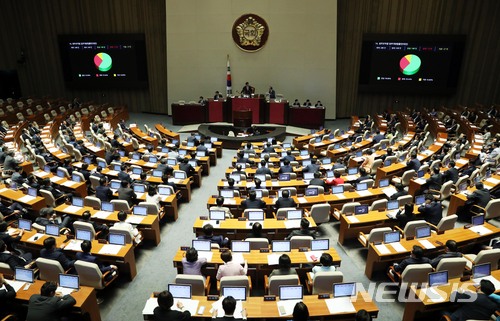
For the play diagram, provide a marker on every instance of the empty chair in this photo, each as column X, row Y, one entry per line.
column 369, row 182
column 121, row 205
column 348, row 208
column 10, row 108
column 239, row 280
column 80, row 175
column 49, row 198
column 454, row 265
column 461, row 180
column 376, row 164
column 151, row 207
column 492, row 210
column 53, row 113
column 405, row 178
column 392, row 159
column 20, row 116
column 258, row 243
column 485, row 256
column 5, row 269
column 323, row 281
column 409, row 230
column 300, row 241
column 280, row 213
column 379, row 205
column 199, row 285
column 446, row 223
column 111, row 111
column 320, row 213
column 375, row 235
column 405, row 199
column 272, row 284
column 100, row 159
column 90, row 275
column 49, row 269
column 65, row 171
column 414, row 273
column 85, row 226
column 104, row 114
column 94, row 181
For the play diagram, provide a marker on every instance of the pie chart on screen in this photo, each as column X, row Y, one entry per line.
column 409, row 65
column 103, row 61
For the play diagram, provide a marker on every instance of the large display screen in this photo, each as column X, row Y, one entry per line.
column 101, row 61
column 413, row 64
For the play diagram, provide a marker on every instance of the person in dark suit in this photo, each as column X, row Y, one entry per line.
column 10, row 163
column 313, row 167
column 416, row 257
column 413, row 163
column 272, row 93
column 123, row 174
column 208, row 234
column 480, row 197
column 126, row 193
column 166, row 178
column 257, row 231
column 451, row 173
column 48, row 216
column 263, row 169
column 7, row 295
column 363, row 175
column 112, row 155
column 288, row 156
column 431, row 209
column 318, row 181
column 286, row 168
column 163, row 165
column 50, row 252
column 186, row 167
column 400, row 191
column 85, row 172
column 378, row 137
column 228, row 305
column 47, row 306
column 451, row 251
column 114, row 142
column 247, row 90
column 10, row 240
column 435, row 181
column 300, row 312
column 269, row 148
column 13, row 260
column 480, row 308
column 164, row 312
column 217, row 95
column 284, row 266
column 252, row 201
column 285, row 201
column 102, row 228
column 405, row 215
column 59, row 196
column 103, row 192
column 304, row 230
column 87, row 257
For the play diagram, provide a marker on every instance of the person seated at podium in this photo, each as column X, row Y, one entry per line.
column 272, row 93
column 263, row 169
column 284, row 266
column 284, row 201
column 247, row 90
column 217, row 95
column 164, row 312
column 296, row 103
column 307, row 103
column 252, row 201
column 202, row 101
column 318, row 104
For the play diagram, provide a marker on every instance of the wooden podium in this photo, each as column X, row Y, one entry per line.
column 242, row 118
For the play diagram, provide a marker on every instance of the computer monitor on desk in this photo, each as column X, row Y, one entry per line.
column 284, row 177
column 140, row 210
column 419, row 199
column 24, row 275
column 339, row 189
column 341, row 290
column 360, row 209
column 312, row 191
column 392, row 237
column 139, row 188
column 383, row 183
column 421, row 232
column 481, row 270
column 69, row 281
column 281, row 246
column 180, row 291
column 361, row 187
column 291, row 292
column 226, row 193
column 239, row 293
column 392, row 205
column 255, row 215
column 478, row 220
column 107, row 207
column 308, row 176
column 438, row 278
column 217, row 215
column 24, row 224
column 52, row 229
column 83, row 235
column 240, row 246
column 202, row 245
column 320, row 245
column 116, row 239
column 294, row 214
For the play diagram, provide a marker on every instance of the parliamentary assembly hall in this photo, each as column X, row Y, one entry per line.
column 295, row 160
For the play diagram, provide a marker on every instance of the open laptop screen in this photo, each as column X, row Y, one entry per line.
column 392, row 205
column 216, row 215
column 478, row 220
column 294, row 214
column 255, row 215
column 361, row 209
column 312, row 191
column 320, row 245
column 481, row 270
column 52, row 229
column 438, row 278
column 424, row 231
column 24, row 275
column 116, row 239
column 227, row 193
column 419, row 199
column 24, row 224
column 383, row 183
column 139, row 188
column 391, row 237
column 202, row 245
column 83, row 235
column 140, row 210
column 240, row 246
column 107, row 207
column 77, row 201
column 69, row 281
column 338, row 189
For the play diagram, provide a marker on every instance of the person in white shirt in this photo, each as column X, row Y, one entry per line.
column 230, row 267
column 326, row 261
column 153, row 197
column 122, row 216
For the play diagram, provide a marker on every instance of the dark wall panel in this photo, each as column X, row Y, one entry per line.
column 34, row 25
column 479, row 20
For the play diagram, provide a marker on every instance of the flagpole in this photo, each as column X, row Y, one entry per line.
column 229, row 88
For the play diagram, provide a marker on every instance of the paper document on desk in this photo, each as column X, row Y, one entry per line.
column 101, row 214
column 389, row 191
column 55, row 179
column 398, row 247
column 111, row 249
column 229, row 201
column 433, row 294
column 426, row 244
column 302, row 200
column 382, row 249
column 493, row 181
column 220, row 311
column 420, row 181
column 205, row 254
column 285, row 307
column 461, row 161
column 273, row 259
column 150, row 306
column 3, row 190
column 480, row 229
column 352, row 219
column 340, row 196
column 37, row 236
column 189, row 305
column 134, row 219
column 69, row 183
column 64, row 291
column 313, row 256
column 339, row 305
column 238, row 257
column 73, row 245
column 438, row 144
column 351, row 178
column 72, row 209
column 364, row 193
column 17, row 285
column 292, row 224
column 112, row 173
column 26, row 199
column 53, row 149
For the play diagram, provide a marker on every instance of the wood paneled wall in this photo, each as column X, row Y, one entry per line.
column 33, row 26
column 478, row 19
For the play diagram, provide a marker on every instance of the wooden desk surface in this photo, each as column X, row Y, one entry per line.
column 86, row 300
column 36, row 203
column 257, row 308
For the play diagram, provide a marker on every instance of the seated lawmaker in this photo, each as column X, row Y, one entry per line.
column 219, row 207
column 451, row 251
column 230, row 267
column 86, row 256
column 208, row 234
column 326, row 261
column 252, row 201
column 285, row 201
column 416, row 257
column 284, row 267
column 304, row 230
column 191, row 264
column 50, row 252
column 247, row 90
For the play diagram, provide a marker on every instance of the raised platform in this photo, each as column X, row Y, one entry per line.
column 221, row 131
